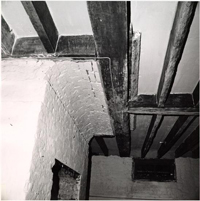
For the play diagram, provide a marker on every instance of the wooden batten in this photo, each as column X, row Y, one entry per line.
column 102, row 145
column 151, row 133
column 175, row 133
column 183, row 19
column 7, row 38
column 190, row 144
column 43, row 23
column 110, row 25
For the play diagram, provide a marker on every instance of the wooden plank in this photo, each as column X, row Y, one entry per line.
column 134, row 65
column 28, row 46
column 7, row 38
column 191, row 143
column 132, row 122
column 110, row 25
column 164, row 111
column 76, row 46
column 173, row 101
column 195, row 95
column 183, row 19
column 43, row 23
column 102, row 145
column 152, row 131
column 175, row 133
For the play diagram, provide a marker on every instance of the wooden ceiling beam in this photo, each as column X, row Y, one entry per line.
column 102, row 145
column 152, row 131
column 175, row 133
column 110, row 25
column 164, row 111
column 190, row 144
column 181, row 26
column 43, row 23
column 7, row 38
column 183, row 19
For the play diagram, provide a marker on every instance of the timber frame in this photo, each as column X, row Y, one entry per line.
column 120, row 52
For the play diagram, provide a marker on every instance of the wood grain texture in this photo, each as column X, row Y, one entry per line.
column 76, row 46
column 28, row 46
column 191, row 143
column 151, row 133
column 181, row 125
column 134, row 65
column 43, row 23
column 181, row 26
column 7, row 38
column 164, row 111
column 110, row 25
column 195, row 95
column 102, row 145
column 174, row 100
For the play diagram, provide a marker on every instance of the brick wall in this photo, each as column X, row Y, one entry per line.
column 51, row 109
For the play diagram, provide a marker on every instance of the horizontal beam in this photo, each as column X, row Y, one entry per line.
column 76, row 45
column 164, row 111
column 178, row 129
column 43, row 23
column 191, row 143
column 7, row 38
column 174, row 100
column 181, row 26
column 102, row 145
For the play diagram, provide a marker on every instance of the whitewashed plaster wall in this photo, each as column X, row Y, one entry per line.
column 40, row 123
column 111, row 179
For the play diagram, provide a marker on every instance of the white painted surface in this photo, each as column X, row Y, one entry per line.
column 154, row 20
column 111, row 178
column 70, row 17
column 42, row 102
column 17, row 18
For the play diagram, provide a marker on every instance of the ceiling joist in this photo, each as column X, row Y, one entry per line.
column 110, row 25
column 43, row 23
column 7, row 38
column 181, row 125
column 183, row 19
column 102, row 145
column 190, row 144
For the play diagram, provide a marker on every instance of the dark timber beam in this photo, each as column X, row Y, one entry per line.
column 195, row 95
column 102, row 145
column 153, row 128
column 183, row 19
column 110, row 24
column 191, row 143
column 7, row 38
column 43, row 23
column 164, row 111
column 175, row 133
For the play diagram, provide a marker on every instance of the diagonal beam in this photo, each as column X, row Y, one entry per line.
column 183, row 19
column 191, row 143
column 43, row 23
column 102, row 145
column 195, row 95
column 175, row 133
column 110, row 24
column 153, row 128
column 7, row 38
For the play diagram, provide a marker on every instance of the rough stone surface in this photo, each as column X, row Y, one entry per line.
column 50, row 110
column 111, row 178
